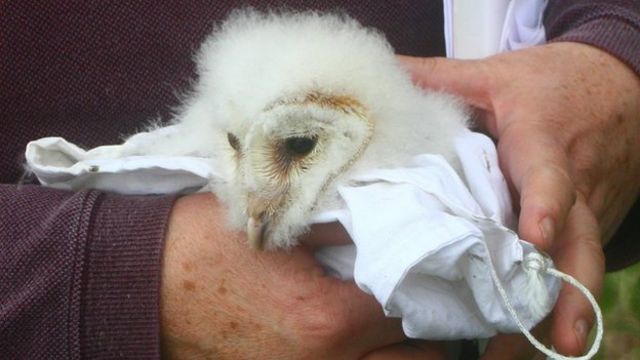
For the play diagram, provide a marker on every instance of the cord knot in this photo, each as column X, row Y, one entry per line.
column 534, row 262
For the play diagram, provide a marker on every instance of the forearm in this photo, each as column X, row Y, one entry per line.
column 80, row 273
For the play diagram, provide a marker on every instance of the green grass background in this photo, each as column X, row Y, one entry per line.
column 620, row 302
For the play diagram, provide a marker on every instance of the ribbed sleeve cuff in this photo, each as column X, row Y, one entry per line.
column 614, row 33
column 121, row 277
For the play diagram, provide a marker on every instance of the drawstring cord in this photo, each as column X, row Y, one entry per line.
column 535, row 265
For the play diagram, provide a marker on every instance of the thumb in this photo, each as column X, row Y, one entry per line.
column 578, row 253
column 470, row 79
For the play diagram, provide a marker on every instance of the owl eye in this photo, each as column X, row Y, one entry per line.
column 300, row 146
column 233, row 141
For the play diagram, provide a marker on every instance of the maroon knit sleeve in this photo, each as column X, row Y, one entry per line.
column 79, row 274
column 612, row 25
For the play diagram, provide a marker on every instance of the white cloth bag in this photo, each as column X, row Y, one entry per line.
column 426, row 240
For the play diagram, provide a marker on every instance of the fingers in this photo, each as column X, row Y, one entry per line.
column 342, row 322
column 466, row 78
column 367, row 319
column 546, row 190
column 326, row 234
column 335, row 314
column 516, row 346
column 356, row 311
column 423, row 350
column 579, row 254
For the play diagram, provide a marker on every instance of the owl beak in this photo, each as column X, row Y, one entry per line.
column 256, row 230
column 258, row 223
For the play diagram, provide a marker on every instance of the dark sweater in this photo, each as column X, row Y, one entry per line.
column 80, row 272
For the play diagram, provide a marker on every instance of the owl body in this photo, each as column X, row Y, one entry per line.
column 293, row 104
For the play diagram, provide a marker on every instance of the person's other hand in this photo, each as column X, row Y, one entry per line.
column 566, row 117
column 222, row 300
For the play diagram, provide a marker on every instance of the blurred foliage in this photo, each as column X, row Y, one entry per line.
column 620, row 303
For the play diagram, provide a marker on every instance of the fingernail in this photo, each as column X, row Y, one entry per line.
column 581, row 328
column 546, row 229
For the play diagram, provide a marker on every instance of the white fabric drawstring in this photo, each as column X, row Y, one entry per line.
column 535, row 265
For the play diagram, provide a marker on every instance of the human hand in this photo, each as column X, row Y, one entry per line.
column 222, row 300
column 566, row 118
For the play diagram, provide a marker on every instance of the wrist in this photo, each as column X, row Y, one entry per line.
column 190, row 251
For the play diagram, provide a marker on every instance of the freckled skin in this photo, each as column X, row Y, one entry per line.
column 221, row 289
column 235, row 298
column 188, row 285
column 187, row 266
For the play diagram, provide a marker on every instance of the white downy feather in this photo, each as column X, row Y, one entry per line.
column 255, row 60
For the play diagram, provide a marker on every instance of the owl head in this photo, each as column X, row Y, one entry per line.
column 298, row 99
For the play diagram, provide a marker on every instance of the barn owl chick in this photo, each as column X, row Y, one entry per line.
column 299, row 103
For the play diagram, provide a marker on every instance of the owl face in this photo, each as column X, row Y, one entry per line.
column 287, row 159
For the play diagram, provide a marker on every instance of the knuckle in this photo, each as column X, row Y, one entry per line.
column 551, row 189
column 428, row 64
column 554, row 173
column 488, row 76
column 593, row 247
column 321, row 326
column 426, row 67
